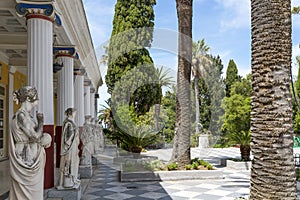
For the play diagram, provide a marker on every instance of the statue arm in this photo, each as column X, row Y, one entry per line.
column 26, row 126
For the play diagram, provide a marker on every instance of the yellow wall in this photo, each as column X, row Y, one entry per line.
column 20, row 80
column 4, row 73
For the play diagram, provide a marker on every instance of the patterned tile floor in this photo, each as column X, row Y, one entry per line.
column 105, row 185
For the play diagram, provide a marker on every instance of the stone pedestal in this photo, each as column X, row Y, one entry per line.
column 203, row 141
column 65, row 194
column 94, row 161
column 85, row 171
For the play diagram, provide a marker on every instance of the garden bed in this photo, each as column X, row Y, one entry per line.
column 156, row 170
column 147, row 175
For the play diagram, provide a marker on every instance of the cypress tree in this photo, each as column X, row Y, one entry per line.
column 131, row 36
column 231, row 76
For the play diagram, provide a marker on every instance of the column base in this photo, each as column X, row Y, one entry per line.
column 85, row 171
column 65, row 194
column 49, row 167
column 58, row 133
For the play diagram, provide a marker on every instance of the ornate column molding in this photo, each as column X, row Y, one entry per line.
column 42, row 10
column 87, row 82
column 80, row 72
column 65, row 51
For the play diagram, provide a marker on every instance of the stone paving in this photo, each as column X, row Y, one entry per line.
column 105, row 185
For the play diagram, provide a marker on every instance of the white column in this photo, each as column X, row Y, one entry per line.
column 92, row 103
column 79, row 99
column 87, row 99
column 12, row 71
column 40, row 64
column 65, row 88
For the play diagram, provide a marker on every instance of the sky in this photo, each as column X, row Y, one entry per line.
column 224, row 24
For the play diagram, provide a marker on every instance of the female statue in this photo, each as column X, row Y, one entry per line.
column 27, row 142
column 87, row 142
column 69, row 161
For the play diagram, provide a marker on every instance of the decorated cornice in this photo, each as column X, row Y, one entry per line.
column 65, row 51
column 42, row 10
column 79, row 71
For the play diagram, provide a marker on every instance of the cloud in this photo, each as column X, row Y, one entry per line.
column 235, row 14
column 100, row 16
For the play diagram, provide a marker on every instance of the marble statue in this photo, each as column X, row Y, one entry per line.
column 69, row 160
column 27, row 142
column 99, row 137
column 87, row 140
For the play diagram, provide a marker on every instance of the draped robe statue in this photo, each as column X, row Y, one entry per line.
column 69, row 160
column 27, row 142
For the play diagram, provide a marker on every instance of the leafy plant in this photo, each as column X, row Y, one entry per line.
column 195, row 165
column 172, row 166
column 188, row 167
column 196, row 162
column 242, row 139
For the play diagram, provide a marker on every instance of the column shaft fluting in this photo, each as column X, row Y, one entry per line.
column 40, row 64
column 79, row 99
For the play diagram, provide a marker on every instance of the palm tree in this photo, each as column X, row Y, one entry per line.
column 200, row 62
column 164, row 81
column 273, row 171
column 181, row 148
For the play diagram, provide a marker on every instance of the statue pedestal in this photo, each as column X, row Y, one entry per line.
column 94, row 161
column 203, row 141
column 65, row 194
column 85, row 171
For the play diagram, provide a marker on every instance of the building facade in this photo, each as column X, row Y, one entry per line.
column 47, row 44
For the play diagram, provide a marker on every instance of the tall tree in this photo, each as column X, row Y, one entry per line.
column 273, row 169
column 164, row 80
column 181, row 148
column 200, row 61
column 132, row 33
column 237, row 116
column 296, row 106
column 216, row 87
column 231, row 76
column 169, row 105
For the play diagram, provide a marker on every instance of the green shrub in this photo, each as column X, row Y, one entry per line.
column 172, row 166
column 195, row 165
column 157, row 165
column 188, row 167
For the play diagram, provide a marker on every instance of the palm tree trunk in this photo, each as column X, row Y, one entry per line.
column 273, row 170
column 197, row 121
column 181, row 148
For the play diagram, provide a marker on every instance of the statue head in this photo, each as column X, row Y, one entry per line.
column 70, row 111
column 26, row 93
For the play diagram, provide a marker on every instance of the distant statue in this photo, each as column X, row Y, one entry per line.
column 87, row 142
column 26, row 153
column 99, row 137
column 69, row 160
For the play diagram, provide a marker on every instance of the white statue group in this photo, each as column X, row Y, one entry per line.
column 27, row 143
column 92, row 140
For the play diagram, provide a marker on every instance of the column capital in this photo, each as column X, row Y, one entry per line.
column 92, row 90
column 65, row 51
column 79, row 71
column 87, row 82
column 42, row 10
